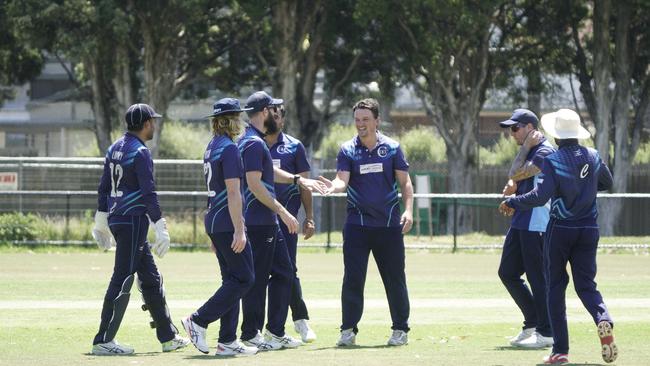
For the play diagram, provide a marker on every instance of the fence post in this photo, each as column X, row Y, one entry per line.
column 455, row 223
column 20, row 185
column 194, row 213
column 329, row 222
column 66, row 232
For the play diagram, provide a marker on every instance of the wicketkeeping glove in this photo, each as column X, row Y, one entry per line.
column 101, row 233
column 161, row 246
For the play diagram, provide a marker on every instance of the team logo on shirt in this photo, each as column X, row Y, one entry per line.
column 283, row 150
column 382, row 151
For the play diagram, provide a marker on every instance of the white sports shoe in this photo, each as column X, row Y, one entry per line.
column 111, row 348
column 235, row 348
column 348, row 338
column 260, row 343
column 306, row 333
column 177, row 343
column 196, row 334
column 398, row 338
column 284, row 341
column 536, row 340
column 525, row 333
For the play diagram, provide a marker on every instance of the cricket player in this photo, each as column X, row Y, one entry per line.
column 224, row 224
column 127, row 203
column 523, row 247
column 289, row 154
column 571, row 178
column 369, row 168
column 261, row 210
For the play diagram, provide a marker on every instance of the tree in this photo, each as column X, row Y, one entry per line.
column 93, row 36
column 612, row 65
column 185, row 41
column 448, row 52
column 19, row 61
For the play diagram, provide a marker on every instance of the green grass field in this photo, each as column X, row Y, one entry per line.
column 460, row 313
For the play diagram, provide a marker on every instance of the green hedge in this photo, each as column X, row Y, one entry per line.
column 17, row 226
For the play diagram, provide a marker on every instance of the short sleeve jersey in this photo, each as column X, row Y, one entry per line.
column 127, row 185
column 256, row 157
column 372, row 189
column 221, row 161
column 534, row 219
column 289, row 154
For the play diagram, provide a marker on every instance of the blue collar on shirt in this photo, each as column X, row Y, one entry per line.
column 258, row 132
column 380, row 140
column 136, row 137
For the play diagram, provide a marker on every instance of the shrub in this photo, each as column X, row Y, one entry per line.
column 422, row 144
column 184, row 141
column 501, row 153
column 332, row 141
column 17, row 226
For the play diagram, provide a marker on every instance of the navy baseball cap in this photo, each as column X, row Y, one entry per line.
column 261, row 99
column 225, row 106
column 523, row 116
column 138, row 114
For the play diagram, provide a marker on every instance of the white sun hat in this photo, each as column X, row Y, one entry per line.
column 564, row 124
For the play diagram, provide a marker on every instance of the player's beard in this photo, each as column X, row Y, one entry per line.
column 270, row 124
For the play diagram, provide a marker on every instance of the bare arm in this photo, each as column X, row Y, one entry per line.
column 281, row 176
column 254, row 179
column 521, row 168
column 407, row 197
column 308, row 227
column 235, row 210
column 339, row 184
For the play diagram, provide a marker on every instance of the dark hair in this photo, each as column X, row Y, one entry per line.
column 370, row 104
column 136, row 127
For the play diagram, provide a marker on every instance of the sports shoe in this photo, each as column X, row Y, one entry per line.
column 111, row 348
column 348, row 338
column 398, row 338
column 260, row 343
column 536, row 341
column 235, row 348
column 608, row 347
column 285, row 341
column 525, row 333
column 196, row 334
column 306, row 333
column 556, row 358
column 177, row 343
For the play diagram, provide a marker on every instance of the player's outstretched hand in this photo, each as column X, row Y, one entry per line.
column 406, row 221
column 328, row 184
column 308, row 228
column 510, row 188
column 101, row 233
column 161, row 246
column 505, row 209
column 289, row 220
column 312, row 185
column 238, row 241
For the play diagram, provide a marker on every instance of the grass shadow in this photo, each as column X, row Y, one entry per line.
column 378, row 346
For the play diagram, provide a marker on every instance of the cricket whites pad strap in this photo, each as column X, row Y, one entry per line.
column 119, row 308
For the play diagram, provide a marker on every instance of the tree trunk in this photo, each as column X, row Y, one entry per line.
column 102, row 102
column 534, row 89
column 287, row 58
column 159, row 77
column 602, row 71
column 122, row 81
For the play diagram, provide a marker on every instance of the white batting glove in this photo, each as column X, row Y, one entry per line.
column 161, row 246
column 101, row 233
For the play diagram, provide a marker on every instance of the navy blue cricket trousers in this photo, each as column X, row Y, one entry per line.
column 237, row 277
column 297, row 304
column 273, row 270
column 523, row 252
column 132, row 255
column 576, row 246
column 387, row 247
